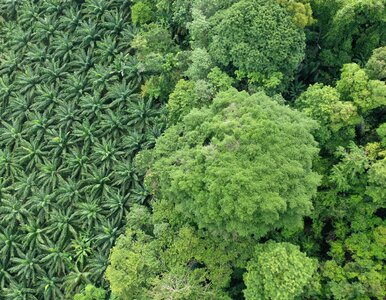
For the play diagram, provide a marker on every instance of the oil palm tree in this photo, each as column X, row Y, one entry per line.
column 62, row 225
column 49, row 287
column 18, row 291
column 113, row 124
column 75, row 280
column 88, row 33
column 36, row 55
column 101, row 76
column 20, row 38
column 59, row 141
column 106, row 49
column 133, row 142
column 125, row 174
column 97, row 265
column 82, row 60
column 115, row 21
column 106, row 153
column 69, row 191
column 63, row 47
column 9, row 8
column 53, row 71
column 19, row 105
column 154, row 132
column 31, row 153
column 139, row 194
column 10, row 244
column 97, row 182
column 37, row 125
column 5, row 276
column 10, row 62
column 46, row 98
column 5, row 188
column 89, row 213
column 76, row 162
column 9, row 165
column 84, row 133
column 95, row 8
column 27, row 80
column 26, row 267
column 75, row 86
column 129, row 32
column 13, row 212
column 66, row 113
column 6, row 90
column 82, row 249
column 25, row 185
column 42, row 204
column 34, row 234
column 92, row 105
column 11, row 134
column 56, row 258
column 46, row 27
column 120, row 93
column 106, row 235
column 141, row 114
column 55, row 8
column 116, row 206
column 28, row 14
column 70, row 19
column 50, row 173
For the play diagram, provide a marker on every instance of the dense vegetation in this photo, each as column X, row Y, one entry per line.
column 192, row 149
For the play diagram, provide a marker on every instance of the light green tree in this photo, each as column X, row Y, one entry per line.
column 171, row 260
column 337, row 118
column 354, row 85
column 142, row 12
column 91, row 293
column 278, row 271
column 221, row 165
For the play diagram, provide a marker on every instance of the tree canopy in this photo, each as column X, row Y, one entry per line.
column 219, row 165
column 259, row 38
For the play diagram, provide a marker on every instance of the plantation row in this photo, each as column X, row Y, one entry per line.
column 72, row 119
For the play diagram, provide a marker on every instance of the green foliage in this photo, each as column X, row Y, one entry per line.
column 220, row 80
column 337, row 118
column 152, row 38
column 278, row 271
column 363, row 275
column 214, row 165
column 377, row 181
column 354, row 162
column 382, row 133
column 91, row 293
column 353, row 29
column 132, row 264
column 376, row 65
column 164, row 261
column 141, row 13
column 181, row 101
column 354, row 85
column 301, row 10
column 259, row 38
column 201, row 64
